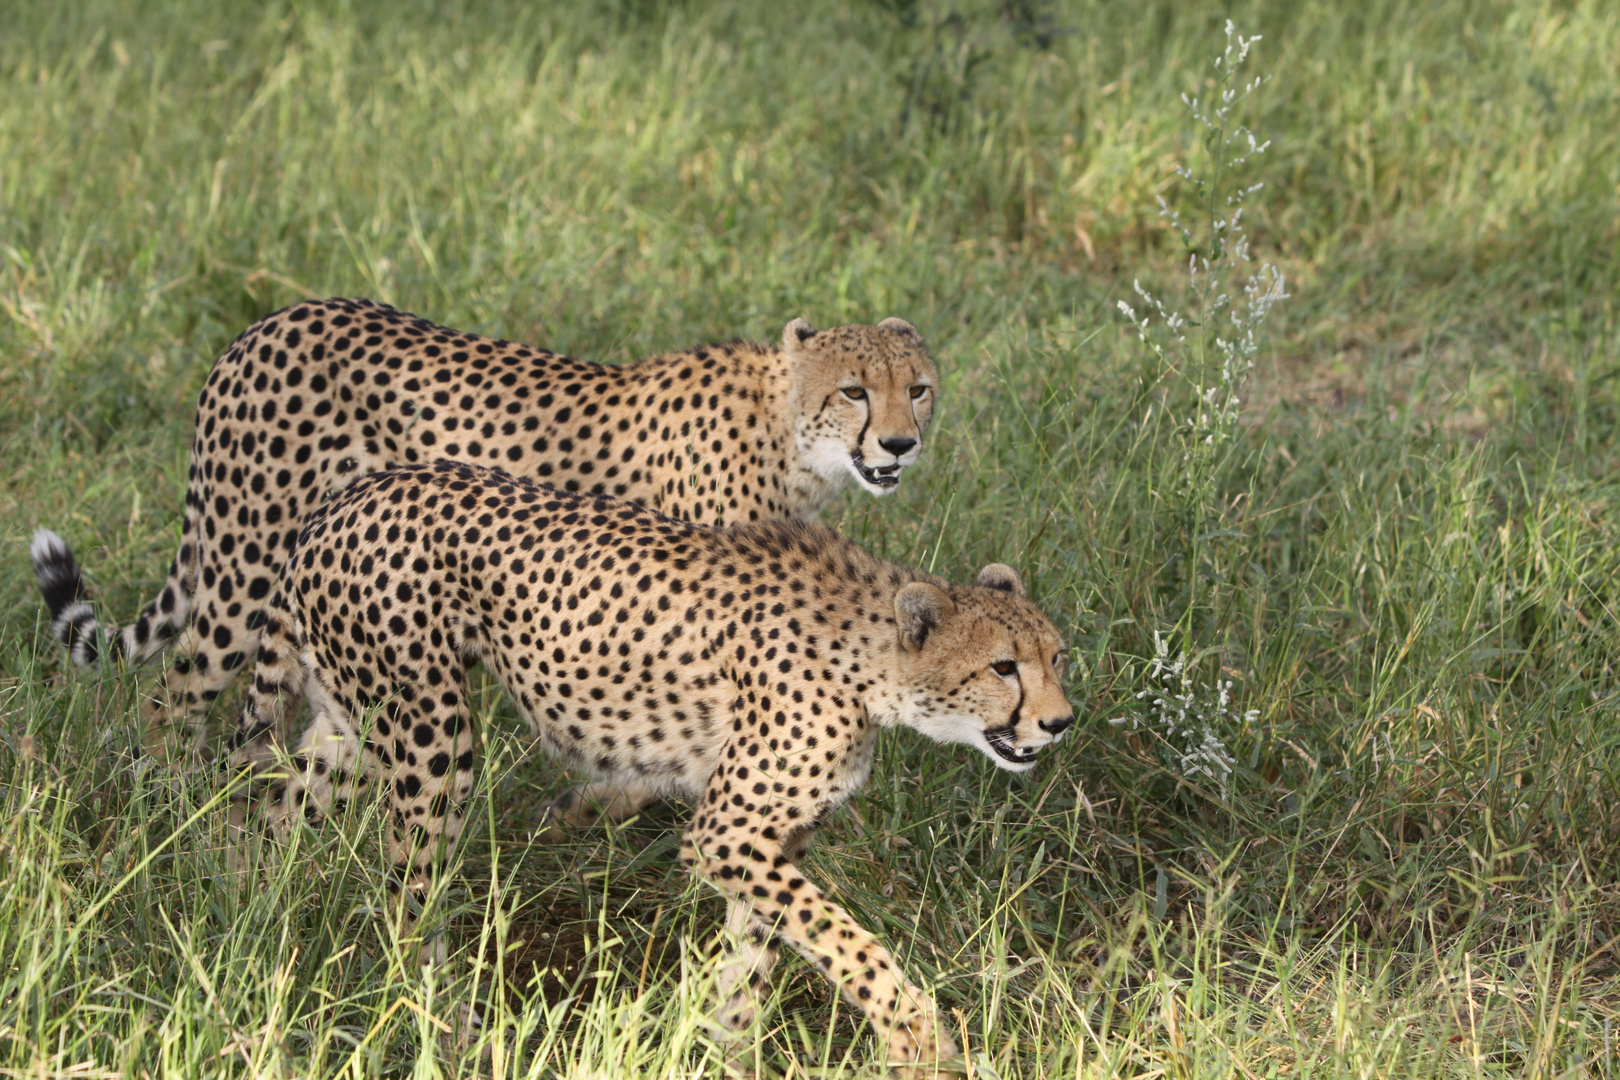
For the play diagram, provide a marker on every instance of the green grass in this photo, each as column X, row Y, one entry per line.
column 1411, row 871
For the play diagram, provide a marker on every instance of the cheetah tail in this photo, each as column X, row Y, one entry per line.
column 73, row 619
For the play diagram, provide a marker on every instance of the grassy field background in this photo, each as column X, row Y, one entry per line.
column 1403, row 556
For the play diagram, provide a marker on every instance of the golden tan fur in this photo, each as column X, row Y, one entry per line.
column 309, row 398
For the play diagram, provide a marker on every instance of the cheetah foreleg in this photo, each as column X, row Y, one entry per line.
column 752, row 954
column 747, row 965
column 757, row 875
column 425, row 754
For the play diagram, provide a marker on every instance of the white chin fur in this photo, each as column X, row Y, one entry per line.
column 829, row 459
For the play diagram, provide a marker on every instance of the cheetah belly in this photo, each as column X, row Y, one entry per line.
column 622, row 748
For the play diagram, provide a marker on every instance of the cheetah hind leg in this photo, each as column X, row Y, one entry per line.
column 256, row 762
column 603, row 802
column 319, row 779
column 327, row 772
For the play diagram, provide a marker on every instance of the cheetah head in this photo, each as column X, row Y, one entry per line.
column 981, row 665
column 862, row 399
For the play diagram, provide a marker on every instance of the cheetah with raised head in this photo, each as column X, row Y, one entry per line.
column 747, row 668
column 309, row 398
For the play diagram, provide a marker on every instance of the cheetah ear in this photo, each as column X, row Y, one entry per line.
column 796, row 333
column 899, row 326
column 919, row 608
column 1003, row 577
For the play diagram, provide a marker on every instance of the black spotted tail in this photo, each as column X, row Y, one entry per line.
column 73, row 620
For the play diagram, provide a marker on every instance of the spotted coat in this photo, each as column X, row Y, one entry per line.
column 309, row 398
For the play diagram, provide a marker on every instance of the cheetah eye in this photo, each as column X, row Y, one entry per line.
column 854, row 393
column 1004, row 667
column 917, row 392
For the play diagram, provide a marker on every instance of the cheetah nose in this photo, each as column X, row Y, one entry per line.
column 897, row 445
column 1058, row 726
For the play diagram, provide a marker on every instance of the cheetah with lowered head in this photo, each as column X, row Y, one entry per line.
column 747, row 668
column 314, row 395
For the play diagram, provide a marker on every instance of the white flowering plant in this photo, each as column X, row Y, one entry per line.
column 1198, row 362
column 1187, row 716
column 1210, row 351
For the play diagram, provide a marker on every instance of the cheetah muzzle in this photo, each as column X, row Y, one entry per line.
column 1001, row 741
column 884, row 476
column 748, row 669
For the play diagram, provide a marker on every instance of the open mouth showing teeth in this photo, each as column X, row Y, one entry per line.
column 882, row 476
column 1000, row 741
